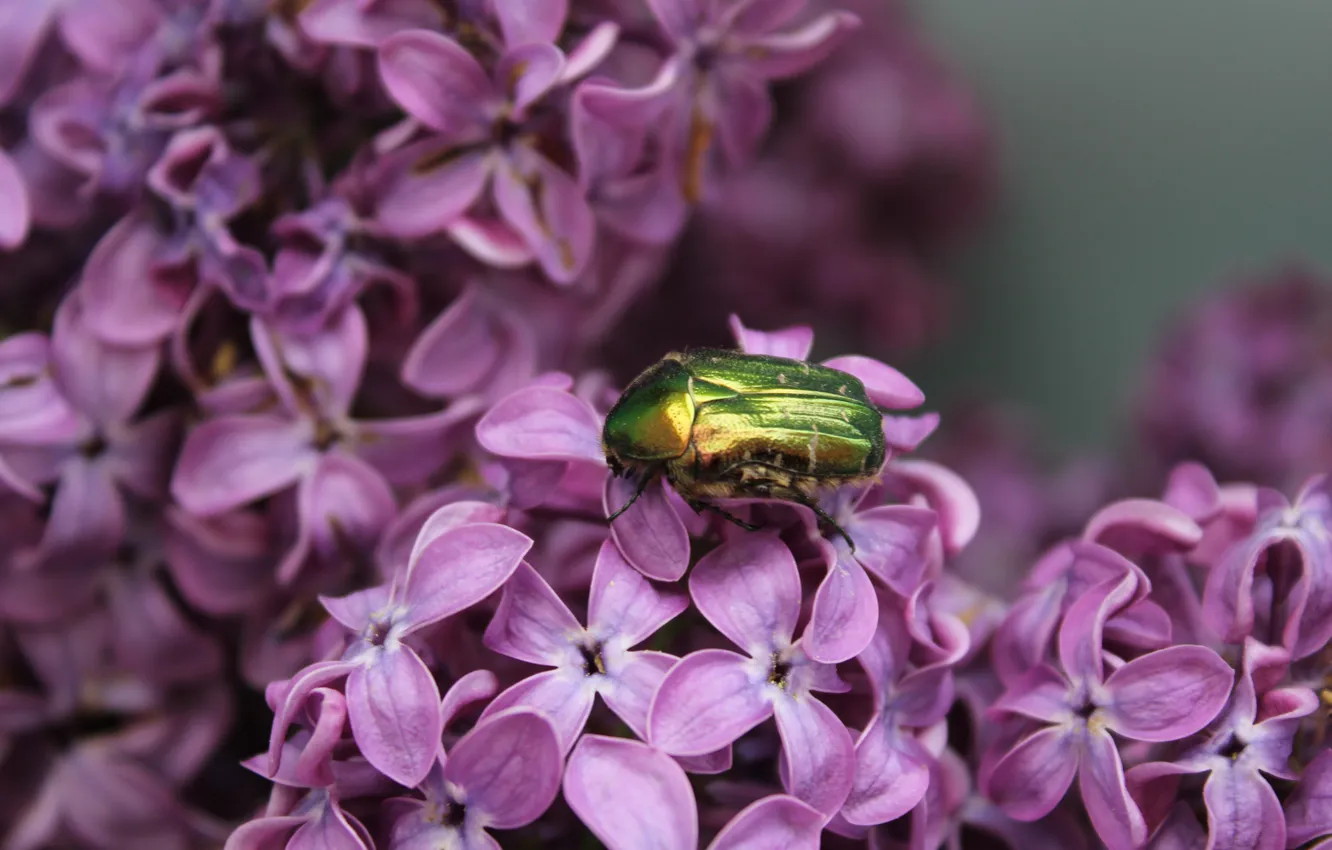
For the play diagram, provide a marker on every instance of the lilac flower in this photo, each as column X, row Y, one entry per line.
column 486, row 133
column 533, row 625
column 1165, row 695
column 1241, row 380
column 314, row 819
column 1253, row 737
column 501, row 775
column 893, row 767
column 1288, row 561
column 323, row 265
column 107, row 452
column 1309, row 809
column 632, row 795
column 749, row 590
column 392, row 699
column 341, row 467
column 365, row 23
column 711, row 95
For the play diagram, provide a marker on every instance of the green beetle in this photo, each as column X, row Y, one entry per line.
column 723, row 425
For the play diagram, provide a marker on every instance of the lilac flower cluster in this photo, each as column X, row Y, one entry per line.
column 304, row 538
column 1242, row 382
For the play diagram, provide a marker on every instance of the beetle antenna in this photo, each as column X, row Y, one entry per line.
column 642, row 485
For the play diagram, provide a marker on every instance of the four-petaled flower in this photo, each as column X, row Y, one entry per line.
column 1161, row 696
column 533, row 624
column 749, row 589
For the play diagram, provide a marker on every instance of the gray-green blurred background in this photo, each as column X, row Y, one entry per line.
column 1151, row 150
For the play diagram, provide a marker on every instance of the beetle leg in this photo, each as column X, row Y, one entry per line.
column 642, row 485
column 699, row 505
column 780, row 491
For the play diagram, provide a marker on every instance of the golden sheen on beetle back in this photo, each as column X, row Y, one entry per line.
column 727, row 425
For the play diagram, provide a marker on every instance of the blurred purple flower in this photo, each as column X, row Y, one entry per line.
column 485, row 134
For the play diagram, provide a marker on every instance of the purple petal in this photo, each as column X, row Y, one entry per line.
column 1168, row 694
column 588, row 53
column 509, row 768
column 1228, row 593
column 564, row 697
column 15, row 210
column 1030, row 779
column 107, row 383
column 892, row 774
column 528, row 72
column 393, row 707
column 792, row 53
column 891, row 543
column 419, row 201
column 342, row 504
column 437, row 81
column 845, row 613
column 87, row 512
column 1080, row 644
column 357, row 610
column 232, row 460
column 1143, row 525
column 740, row 123
column 33, row 411
column 1192, row 489
column 550, row 210
column 532, row 624
column 1243, row 812
column 323, row 368
column 291, row 699
column 542, row 423
column 650, row 534
column 476, row 686
column 355, row 23
column 531, row 21
column 458, row 350
column 222, row 565
column 749, row 589
column 408, row 450
column 886, row 386
column 1041, row 694
column 1309, row 809
column 778, row 822
column 1179, row 831
column 632, row 680
column 624, row 604
column 820, row 755
column 793, row 343
column 631, row 795
column 1113, row 813
column 906, row 433
column 446, row 518
column 950, row 497
column 332, row 829
column 1143, row 625
column 491, row 241
column 23, row 28
column 459, row 569
column 314, row 767
column 705, row 702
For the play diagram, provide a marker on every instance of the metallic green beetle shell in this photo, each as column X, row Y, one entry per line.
column 721, row 424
